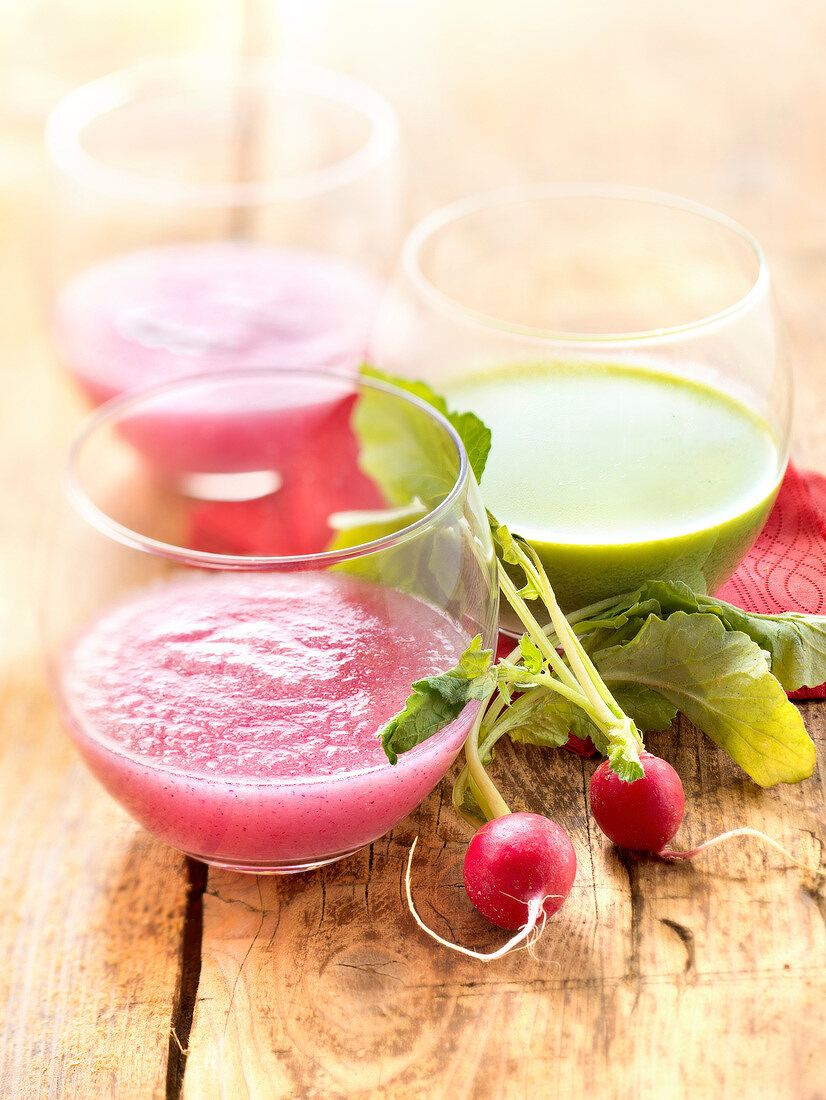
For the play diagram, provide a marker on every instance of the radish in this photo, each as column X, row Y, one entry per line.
column 519, row 867
column 514, row 861
column 518, row 871
column 643, row 815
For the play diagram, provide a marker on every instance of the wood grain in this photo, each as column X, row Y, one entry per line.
column 93, row 910
column 92, row 923
column 327, row 989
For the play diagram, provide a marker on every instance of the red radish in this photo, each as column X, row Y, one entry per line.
column 514, row 859
column 643, row 815
column 519, row 869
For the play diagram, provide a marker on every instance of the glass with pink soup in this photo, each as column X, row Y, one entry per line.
column 224, row 666
column 218, row 215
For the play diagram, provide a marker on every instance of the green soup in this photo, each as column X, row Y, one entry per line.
column 617, row 474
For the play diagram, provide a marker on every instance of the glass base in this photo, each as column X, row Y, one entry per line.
column 281, row 867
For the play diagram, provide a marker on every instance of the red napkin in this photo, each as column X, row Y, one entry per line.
column 785, row 570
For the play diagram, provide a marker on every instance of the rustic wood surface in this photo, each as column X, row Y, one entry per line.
column 128, row 971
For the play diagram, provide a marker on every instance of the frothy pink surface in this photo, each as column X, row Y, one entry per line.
column 156, row 314
column 234, row 715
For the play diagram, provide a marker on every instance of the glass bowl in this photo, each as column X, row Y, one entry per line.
column 224, row 660
column 622, row 346
column 216, row 215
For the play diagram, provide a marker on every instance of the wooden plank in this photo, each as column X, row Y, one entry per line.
column 321, row 985
column 740, row 907
column 94, row 909
column 92, row 924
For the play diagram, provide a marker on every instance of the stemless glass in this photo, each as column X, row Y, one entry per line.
column 622, row 347
column 221, row 214
column 224, row 665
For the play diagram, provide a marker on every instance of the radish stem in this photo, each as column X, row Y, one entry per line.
column 537, row 633
column 458, row 797
column 481, row 783
column 589, row 679
column 576, row 678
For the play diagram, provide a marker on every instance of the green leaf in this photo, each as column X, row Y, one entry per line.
column 548, row 722
column 473, row 432
column 796, row 643
column 358, row 527
column 405, row 452
column 476, row 436
column 437, row 700
column 511, row 552
column 410, row 459
column 669, row 596
column 531, row 654
column 720, row 680
column 514, row 555
column 648, row 709
column 475, row 661
column 409, row 385
column 509, row 673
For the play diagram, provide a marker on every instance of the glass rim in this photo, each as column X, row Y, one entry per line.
column 446, row 215
column 78, row 108
column 109, row 413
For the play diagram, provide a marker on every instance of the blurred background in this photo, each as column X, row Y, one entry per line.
column 721, row 101
column 653, row 92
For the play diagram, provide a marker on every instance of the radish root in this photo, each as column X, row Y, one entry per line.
column 745, row 831
column 528, row 934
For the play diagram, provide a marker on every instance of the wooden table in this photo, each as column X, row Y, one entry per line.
column 128, row 971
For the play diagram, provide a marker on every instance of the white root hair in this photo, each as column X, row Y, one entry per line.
column 744, row 831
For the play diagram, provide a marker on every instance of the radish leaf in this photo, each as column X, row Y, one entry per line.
column 473, row 432
column 405, row 452
column 649, row 710
column 530, row 654
column 548, row 722
column 437, row 700
column 720, row 680
column 795, row 643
